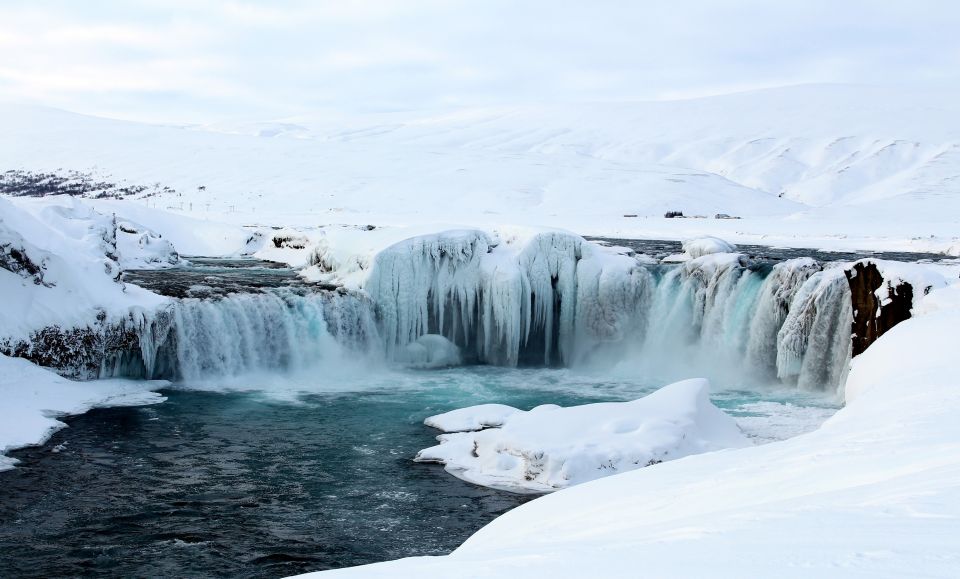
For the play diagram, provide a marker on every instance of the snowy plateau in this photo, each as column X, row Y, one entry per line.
column 421, row 242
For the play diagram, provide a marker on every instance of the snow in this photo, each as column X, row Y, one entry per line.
column 550, row 448
column 798, row 164
column 34, row 397
column 431, row 351
column 706, row 245
column 871, row 493
column 76, row 250
column 471, row 418
column 411, row 208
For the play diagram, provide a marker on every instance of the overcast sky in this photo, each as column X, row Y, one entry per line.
column 194, row 61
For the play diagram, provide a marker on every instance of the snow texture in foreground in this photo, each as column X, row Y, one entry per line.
column 872, row 493
column 32, row 397
column 550, row 448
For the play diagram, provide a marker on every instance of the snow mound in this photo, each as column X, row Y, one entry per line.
column 550, row 448
column 430, row 351
column 706, row 245
column 139, row 247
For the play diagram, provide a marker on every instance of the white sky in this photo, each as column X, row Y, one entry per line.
column 194, row 61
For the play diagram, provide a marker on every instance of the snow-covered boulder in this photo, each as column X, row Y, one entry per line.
column 550, row 448
column 139, row 247
column 700, row 246
column 430, row 351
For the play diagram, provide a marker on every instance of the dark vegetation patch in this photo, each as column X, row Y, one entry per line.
column 21, row 183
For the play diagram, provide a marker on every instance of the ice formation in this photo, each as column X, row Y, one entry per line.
column 550, row 448
column 551, row 297
column 541, row 299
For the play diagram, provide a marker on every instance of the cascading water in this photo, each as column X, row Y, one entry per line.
column 553, row 300
column 275, row 330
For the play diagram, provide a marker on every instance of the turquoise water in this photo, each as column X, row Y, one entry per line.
column 266, row 478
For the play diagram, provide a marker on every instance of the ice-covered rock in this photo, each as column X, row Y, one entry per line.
column 701, row 246
column 550, row 448
column 139, row 247
column 60, row 267
column 430, row 351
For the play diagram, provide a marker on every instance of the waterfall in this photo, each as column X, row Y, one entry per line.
column 554, row 299
column 790, row 321
column 275, row 330
column 549, row 299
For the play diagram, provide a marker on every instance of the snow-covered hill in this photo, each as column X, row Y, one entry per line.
column 803, row 165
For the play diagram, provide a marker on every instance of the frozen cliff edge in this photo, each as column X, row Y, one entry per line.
column 873, row 492
column 549, row 448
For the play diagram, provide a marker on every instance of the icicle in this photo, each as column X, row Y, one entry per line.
column 813, row 345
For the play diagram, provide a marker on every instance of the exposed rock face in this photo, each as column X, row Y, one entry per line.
column 96, row 351
column 873, row 316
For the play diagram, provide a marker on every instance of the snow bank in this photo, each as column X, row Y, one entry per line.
column 472, row 418
column 873, row 492
column 550, row 448
column 73, row 254
column 31, row 398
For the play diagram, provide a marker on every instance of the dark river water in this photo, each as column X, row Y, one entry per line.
column 280, row 481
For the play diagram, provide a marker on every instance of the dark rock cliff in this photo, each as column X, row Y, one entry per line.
column 872, row 316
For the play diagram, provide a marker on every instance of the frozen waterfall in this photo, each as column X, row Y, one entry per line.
column 554, row 299
column 275, row 330
column 537, row 298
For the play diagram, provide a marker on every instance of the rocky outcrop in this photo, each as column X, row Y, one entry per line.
column 100, row 350
column 872, row 314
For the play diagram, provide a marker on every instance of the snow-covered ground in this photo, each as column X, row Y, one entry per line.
column 549, row 448
column 872, row 493
column 33, row 397
column 824, row 166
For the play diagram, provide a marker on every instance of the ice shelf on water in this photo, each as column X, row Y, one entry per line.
column 549, row 447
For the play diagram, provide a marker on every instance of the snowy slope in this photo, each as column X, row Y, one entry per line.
column 872, row 493
column 839, row 165
column 75, row 252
